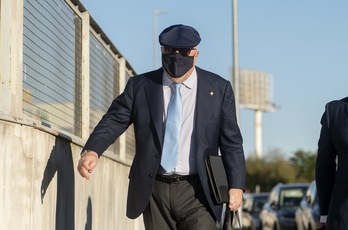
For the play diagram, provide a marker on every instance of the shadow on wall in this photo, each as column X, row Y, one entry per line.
column 61, row 161
column 89, row 215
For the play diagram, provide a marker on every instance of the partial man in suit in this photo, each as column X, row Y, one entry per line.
column 331, row 166
column 174, row 194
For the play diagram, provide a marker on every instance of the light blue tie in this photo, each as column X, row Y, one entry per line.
column 172, row 131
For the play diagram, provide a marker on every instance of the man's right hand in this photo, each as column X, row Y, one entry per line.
column 87, row 163
column 321, row 226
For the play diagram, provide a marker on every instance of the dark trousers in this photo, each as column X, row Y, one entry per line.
column 178, row 206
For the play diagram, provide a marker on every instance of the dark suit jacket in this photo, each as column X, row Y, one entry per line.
column 141, row 104
column 332, row 178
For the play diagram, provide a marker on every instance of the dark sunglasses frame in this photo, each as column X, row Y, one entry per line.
column 182, row 51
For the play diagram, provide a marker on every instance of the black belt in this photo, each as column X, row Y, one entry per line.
column 174, row 178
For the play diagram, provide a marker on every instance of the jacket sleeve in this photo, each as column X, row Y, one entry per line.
column 231, row 142
column 325, row 163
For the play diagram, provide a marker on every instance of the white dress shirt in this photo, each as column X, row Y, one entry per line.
column 186, row 163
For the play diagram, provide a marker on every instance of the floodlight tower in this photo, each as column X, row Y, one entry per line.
column 255, row 92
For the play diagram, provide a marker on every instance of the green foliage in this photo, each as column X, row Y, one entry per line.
column 274, row 168
column 304, row 165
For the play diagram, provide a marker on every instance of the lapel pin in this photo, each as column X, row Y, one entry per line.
column 211, row 93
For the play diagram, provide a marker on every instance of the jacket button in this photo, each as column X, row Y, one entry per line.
column 152, row 175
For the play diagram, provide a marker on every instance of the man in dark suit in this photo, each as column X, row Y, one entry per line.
column 177, row 196
column 331, row 166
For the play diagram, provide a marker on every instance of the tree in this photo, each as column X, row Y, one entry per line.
column 304, row 165
column 274, row 168
column 267, row 172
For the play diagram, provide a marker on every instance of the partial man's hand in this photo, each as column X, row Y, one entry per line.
column 321, row 226
column 87, row 163
column 236, row 199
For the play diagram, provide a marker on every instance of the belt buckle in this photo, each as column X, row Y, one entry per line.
column 174, row 179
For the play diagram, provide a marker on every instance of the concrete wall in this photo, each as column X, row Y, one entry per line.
column 41, row 188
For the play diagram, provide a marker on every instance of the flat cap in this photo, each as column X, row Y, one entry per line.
column 179, row 36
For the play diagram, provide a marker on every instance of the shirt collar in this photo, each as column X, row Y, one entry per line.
column 189, row 83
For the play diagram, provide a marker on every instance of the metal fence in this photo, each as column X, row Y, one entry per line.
column 49, row 77
column 53, row 52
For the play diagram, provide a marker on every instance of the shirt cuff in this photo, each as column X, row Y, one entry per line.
column 323, row 219
column 84, row 153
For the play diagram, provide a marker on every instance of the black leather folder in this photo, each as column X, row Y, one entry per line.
column 217, row 178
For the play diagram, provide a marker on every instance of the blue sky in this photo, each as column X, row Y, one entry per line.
column 303, row 44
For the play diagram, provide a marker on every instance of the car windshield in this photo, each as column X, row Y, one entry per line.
column 258, row 203
column 291, row 197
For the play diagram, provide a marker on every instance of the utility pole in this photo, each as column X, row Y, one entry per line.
column 235, row 74
column 235, row 70
column 155, row 35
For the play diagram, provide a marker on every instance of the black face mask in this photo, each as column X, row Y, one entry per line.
column 176, row 65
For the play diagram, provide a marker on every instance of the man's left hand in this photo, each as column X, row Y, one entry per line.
column 236, row 199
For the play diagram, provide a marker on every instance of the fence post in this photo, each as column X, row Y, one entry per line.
column 11, row 57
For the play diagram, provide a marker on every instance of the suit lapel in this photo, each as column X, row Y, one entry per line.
column 154, row 95
column 204, row 104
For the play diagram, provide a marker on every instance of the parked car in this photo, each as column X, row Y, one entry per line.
column 307, row 215
column 278, row 213
column 252, row 206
